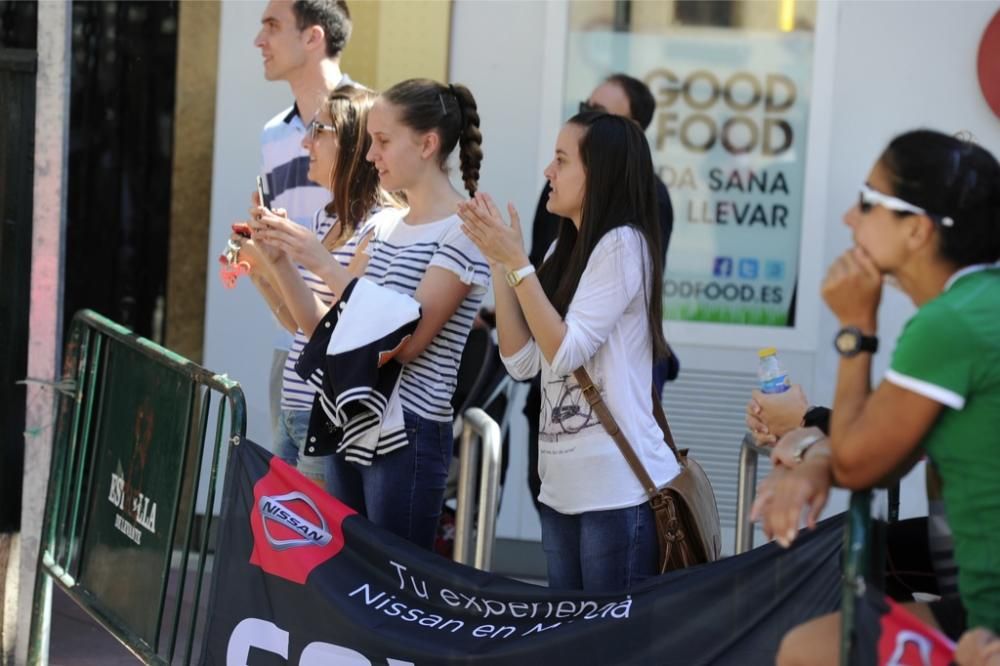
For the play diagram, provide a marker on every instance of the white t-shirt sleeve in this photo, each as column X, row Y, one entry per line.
column 524, row 363
column 460, row 255
column 366, row 228
column 379, row 224
column 614, row 275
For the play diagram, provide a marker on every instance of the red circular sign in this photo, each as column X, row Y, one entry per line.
column 989, row 64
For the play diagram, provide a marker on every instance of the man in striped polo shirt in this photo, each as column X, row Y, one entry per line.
column 300, row 42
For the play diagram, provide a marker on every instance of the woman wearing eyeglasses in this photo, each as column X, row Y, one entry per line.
column 927, row 221
column 337, row 142
column 420, row 251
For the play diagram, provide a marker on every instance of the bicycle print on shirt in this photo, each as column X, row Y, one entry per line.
column 565, row 410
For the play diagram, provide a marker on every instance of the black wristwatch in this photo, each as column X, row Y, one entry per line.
column 850, row 341
column 817, row 417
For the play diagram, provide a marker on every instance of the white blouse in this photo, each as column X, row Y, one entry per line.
column 607, row 332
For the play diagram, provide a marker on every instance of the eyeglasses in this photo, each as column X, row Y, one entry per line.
column 586, row 106
column 315, row 127
column 869, row 198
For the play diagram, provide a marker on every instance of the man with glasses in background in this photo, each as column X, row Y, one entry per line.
column 301, row 42
column 621, row 95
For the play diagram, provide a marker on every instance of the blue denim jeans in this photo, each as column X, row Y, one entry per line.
column 402, row 491
column 600, row 551
column 290, row 442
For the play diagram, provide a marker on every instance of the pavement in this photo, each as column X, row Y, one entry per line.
column 78, row 640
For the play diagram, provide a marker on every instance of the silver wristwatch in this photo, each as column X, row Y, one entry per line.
column 804, row 444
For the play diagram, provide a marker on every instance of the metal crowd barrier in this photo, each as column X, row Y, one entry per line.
column 746, row 489
column 478, row 428
column 858, row 558
column 120, row 522
column 858, row 542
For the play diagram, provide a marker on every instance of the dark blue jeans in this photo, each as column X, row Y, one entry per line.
column 600, row 551
column 402, row 491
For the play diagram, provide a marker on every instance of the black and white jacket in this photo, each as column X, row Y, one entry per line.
column 349, row 360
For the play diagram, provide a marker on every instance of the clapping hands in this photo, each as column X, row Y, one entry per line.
column 499, row 242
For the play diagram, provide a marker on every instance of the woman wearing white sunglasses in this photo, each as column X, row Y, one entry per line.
column 928, row 219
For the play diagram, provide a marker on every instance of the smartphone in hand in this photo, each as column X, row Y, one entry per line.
column 260, row 192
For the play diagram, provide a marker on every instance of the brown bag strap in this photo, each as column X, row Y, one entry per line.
column 597, row 403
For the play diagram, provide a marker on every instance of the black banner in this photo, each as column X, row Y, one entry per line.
column 301, row 579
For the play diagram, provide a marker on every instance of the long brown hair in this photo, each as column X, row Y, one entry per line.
column 354, row 180
column 619, row 190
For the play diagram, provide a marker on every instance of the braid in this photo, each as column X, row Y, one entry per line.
column 449, row 110
column 470, row 139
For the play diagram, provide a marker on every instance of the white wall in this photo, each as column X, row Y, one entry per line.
column 239, row 330
column 497, row 49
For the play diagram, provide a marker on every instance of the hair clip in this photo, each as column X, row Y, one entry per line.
column 444, row 109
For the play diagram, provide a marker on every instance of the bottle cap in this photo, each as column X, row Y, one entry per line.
column 767, row 351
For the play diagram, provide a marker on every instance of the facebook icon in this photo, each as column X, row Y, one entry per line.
column 723, row 267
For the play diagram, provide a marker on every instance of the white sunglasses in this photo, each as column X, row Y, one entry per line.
column 869, row 198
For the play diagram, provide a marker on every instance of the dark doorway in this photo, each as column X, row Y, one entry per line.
column 18, row 23
column 123, row 75
column 123, row 67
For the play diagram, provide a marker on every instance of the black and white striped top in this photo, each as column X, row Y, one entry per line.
column 297, row 395
column 400, row 255
column 284, row 165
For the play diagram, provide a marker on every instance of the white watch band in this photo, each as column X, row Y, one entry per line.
column 514, row 278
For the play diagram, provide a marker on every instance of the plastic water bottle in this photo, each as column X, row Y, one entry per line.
column 772, row 375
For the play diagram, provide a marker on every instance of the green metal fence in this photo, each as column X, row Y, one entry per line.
column 864, row 557
column 857, row 560
column 123, row 534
